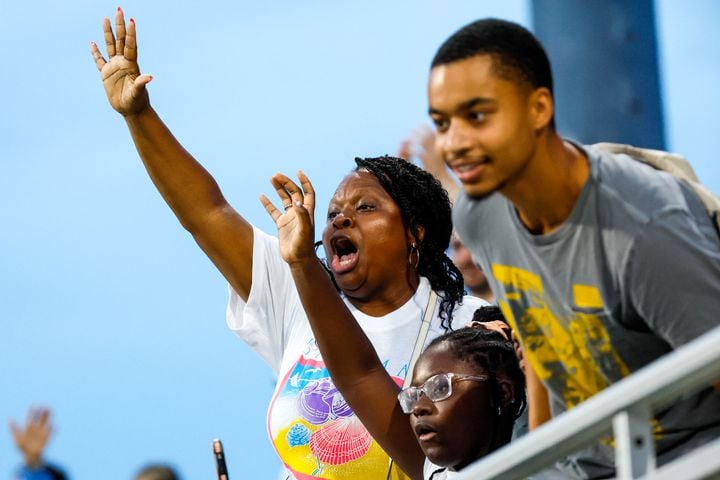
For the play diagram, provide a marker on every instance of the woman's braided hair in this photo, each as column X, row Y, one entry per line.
column 423, row 204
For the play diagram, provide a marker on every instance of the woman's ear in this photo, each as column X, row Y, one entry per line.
column 420, row 235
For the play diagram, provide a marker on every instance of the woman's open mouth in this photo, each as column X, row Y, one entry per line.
column 345, row 255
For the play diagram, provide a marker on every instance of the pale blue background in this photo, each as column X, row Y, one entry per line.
column 109, row 313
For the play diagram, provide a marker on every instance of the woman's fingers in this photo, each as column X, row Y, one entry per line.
column 300, row 200
column 130, row 51
column 109, row 38
column 275, row 213
column 308, row 192
column 120, row 32
column 302, row 213
column 123, row 40
column 278, row 182
column 97, row 56
column 38, row 415
column 140, row 83
column 287, row 190
column 270, row 208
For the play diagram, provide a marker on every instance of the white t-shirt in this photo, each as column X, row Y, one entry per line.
column 442, row 473
column 313, row 430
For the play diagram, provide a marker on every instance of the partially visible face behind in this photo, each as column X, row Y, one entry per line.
column 459, row 430
column 364, row 239
column 484, row 123
column 473, row 277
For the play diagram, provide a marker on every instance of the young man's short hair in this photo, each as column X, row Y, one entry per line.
column 517, row 55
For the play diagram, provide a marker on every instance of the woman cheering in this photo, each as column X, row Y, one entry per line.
column 385, row 253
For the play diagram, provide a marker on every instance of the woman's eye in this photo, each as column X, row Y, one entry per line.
column 365, row 207
column 332, row 215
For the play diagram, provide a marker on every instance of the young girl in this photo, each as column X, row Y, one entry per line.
column 467, row 390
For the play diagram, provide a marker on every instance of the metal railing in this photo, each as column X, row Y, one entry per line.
column 625, row 410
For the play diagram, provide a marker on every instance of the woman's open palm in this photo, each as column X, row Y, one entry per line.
column 124, row 85
column 295, row 224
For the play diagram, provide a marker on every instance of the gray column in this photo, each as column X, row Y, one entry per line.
column 604, row 59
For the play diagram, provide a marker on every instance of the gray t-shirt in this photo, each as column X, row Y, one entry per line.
column 633, row 273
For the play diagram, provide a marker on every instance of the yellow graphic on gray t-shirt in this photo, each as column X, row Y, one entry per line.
column 573, row 354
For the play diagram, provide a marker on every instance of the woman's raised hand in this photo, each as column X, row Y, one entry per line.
column 295, row 221
column 124, row 85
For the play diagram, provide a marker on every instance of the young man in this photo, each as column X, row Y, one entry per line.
column 600, row 263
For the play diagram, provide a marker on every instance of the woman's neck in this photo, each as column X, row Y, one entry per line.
column 384, row 300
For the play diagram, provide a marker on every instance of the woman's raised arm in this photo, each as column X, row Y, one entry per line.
column 186, row 186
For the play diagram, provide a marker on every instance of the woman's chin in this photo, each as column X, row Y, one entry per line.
column 348, row 283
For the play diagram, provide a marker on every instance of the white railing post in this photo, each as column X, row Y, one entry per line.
column 634, row 446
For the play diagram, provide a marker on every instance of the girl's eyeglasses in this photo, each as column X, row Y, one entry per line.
column 436, row 388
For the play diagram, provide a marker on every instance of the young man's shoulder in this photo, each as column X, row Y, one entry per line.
column 628, row 186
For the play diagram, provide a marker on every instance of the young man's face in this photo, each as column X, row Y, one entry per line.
column 486, row 125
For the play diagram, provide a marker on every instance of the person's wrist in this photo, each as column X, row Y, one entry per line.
column 138, row 113
column 305, row 262
column 33, row 461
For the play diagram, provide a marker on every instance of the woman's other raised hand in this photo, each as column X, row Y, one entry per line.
column 294, row 219
column 120, row 73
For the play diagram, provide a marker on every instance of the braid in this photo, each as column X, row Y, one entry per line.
column 488, row 313
column 423, row 204
column 490, row 352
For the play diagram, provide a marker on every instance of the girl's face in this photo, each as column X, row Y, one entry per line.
column 462, row 428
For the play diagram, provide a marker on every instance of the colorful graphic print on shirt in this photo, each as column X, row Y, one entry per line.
column 316, row 433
